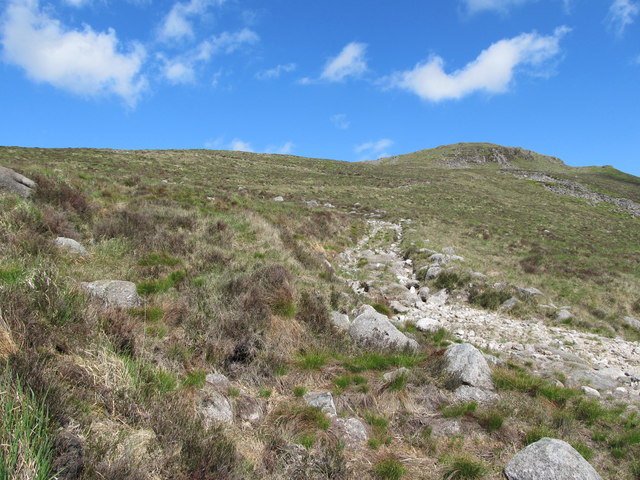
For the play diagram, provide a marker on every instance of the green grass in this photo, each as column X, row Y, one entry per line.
column 460, row 468
column 380, row 361
column 345, row 381
column 25, row 442
column 389, row 469
column 458, row 410
column 195, row 379
column 149, row 287
column 382, row 308
column 155, row 259
column 10, row 276
column 312, row 360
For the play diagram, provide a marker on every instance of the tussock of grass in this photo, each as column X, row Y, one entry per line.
column 381, row 361
column 25, row 442
column 389, row 469
column 464, row 468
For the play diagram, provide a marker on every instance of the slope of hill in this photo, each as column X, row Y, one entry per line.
column 240, row 259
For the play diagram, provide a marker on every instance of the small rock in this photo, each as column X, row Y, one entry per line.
column 397, row 307
column 590, row 392
column 351, row 431
column 340, row 320
column 529, row 292
column 563, row 315
column 509, row 304
column 444, row 427
column 428, row 325
column 323, row 401
column 278, row 199
column 449, row 250
column 216, row 409
column 549, row 459
column 13, row 182
column 115, row 293
column 439, row 298
column 70, row 245
column 249, row 409
column 312, row 203
column 217, row 380
column 466, row 394
column 391, row 376
column 328, row 205
column 478, row 276
column 423, row 293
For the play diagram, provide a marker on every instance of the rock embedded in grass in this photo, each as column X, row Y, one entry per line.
column 550, row 459
column 115, row 293
column 216, row 409
column 323, row 401
column 13, row 182
column 467, row 366
column 340, row 320
column 374, row 330
column 70, row 245
column 351, row 431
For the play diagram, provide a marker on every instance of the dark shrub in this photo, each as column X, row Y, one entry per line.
column 59, row 193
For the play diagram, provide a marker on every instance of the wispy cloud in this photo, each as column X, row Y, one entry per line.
column 276, row 71
column 373, row 150
column 182, row 68
column 340, row 121
column 284, row 149
column 77, row 3
column 240, row 146
column 475, row 6
column 491, row 72
column 350, row 62
column 622, row 13
column 177, row 23
column 84, row 62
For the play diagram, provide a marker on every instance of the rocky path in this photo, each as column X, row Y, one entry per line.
column 610, row 365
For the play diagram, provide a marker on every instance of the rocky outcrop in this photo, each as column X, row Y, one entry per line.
column 323, row 401
column 13, row 182
column 550, row 459
column 374, row 330
column 114, row 293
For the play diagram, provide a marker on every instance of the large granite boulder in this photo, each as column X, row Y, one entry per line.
column 114, row 293
column 467, row 366
column 372, row 329
column 13, row 182
column 549, row 459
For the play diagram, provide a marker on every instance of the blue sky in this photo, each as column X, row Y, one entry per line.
column 347, row 80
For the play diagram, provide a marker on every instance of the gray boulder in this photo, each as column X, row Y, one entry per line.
column 509, row 304
column 278, row 199
column 550, row 459
column 391, row 376
column 631, row 322
column 13, row 182
column 438, row 299
column 115, row 293
column 529, row 292
column 430, row 325
column 467, row 394
column 433, row 272
column 323, row 401
column 217, row 380
column 351, row 431
column 339, row 320
column 563, row 315
column 467, row 366
column 216, row 409
column 423, row 293
column 70, row 245
column 373, row 329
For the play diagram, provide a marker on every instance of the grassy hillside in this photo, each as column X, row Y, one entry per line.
column 237, row 283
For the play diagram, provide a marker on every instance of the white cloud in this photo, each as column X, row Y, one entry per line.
column 340, row 121
column 491, row 72
column 276, row 71
column 474, row 6
column 182, row 69
column 240, row 146
column 373, row 150
column 282, row 150
column 622, row 13
column 226, row 42
column 177, row 24
column 82, row 62
column 350, row 62
column 77, row 3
